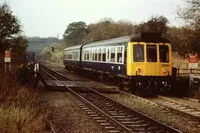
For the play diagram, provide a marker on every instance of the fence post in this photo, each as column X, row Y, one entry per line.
column 190, row 70
column 178, row 71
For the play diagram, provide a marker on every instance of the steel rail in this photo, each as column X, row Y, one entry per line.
column 124, row 127
column 92, row 105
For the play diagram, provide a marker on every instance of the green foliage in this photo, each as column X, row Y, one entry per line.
column 75, row 33
column 180, row 40
column 175, row 35
column 155, row 24
column 56, row 56
column 19, row 107
column 107, row 28
column 43, row 41
column 184, row 40
column 9, row 23
column 37, row 44
column 190, row 14
column 10, row 31
column 23, row 74
column 19, row 45
column 79, row 32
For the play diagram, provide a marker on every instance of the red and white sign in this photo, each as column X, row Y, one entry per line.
column 193, row 61
column 7, row 57
column 7, row 53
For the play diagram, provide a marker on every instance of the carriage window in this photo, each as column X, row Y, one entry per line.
column 93, row 55
column 69, row 55
column 104, row 54
column 164, row 53
column 77, row 58
column 90, row 55
column 138, row 53
column 96, row 55
column 108, row 54
column 112, row 54
column 83, row 57
column 119, row 54
column 87, row 55
column 151, row 53
column 75, row 55
column 99, row 57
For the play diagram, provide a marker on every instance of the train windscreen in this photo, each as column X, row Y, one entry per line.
column 164, row 53
column 138, row 53
column 151, row 53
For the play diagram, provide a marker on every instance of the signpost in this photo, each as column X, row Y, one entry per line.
column 7, row 60
column 194, row 78
column 193, row 61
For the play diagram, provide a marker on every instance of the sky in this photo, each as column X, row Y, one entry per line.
column 47, row 18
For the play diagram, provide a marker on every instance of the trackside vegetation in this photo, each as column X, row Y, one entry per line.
column 19, row 106
column 184, row 39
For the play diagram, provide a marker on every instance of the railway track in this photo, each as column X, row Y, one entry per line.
column 112, row 116
column 51, row 126
column 178, row 107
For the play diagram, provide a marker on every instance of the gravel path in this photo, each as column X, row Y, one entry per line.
column 161, row 114
column 187, row 102
column 66, row 116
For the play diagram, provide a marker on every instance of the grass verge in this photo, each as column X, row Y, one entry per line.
column 19, row 107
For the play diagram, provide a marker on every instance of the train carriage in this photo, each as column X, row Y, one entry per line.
column 141, row 61
column 71, row 56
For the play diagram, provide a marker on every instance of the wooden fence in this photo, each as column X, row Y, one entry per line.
column 186, row 71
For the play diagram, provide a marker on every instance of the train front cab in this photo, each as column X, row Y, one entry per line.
column 150, row 64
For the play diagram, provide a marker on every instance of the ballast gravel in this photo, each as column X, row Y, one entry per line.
column 159, row 113
column 66, row 116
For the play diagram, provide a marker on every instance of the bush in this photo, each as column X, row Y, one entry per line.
column 19, row 110
column 23, row 74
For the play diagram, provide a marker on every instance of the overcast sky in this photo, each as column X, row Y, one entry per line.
column 50, row 17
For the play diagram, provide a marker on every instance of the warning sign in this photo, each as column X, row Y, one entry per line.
column 7, row 57
column 193, row 61
column 7, row 53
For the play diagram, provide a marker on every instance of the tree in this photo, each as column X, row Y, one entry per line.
column 10, row 30
column 19, row 44
column 155, row 24
column 75, row 33
column 180, row 39
column 191, row 15
column 107, row 28
column 102, row 30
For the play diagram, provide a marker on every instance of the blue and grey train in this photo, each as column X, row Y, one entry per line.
column 140, row 62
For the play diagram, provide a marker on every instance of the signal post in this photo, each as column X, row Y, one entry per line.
column 7, row 60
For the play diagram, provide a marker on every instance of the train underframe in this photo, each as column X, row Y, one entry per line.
column 139, row 85
column 153, row 84
column 142, row 85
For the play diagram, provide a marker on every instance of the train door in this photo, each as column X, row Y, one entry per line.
column 152, row 65
column 108, row 55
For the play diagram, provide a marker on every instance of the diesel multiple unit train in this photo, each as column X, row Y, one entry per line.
column 140, row 62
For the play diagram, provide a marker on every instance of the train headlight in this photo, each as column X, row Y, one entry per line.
column 138, row 70
column 165, row 83
column 164, row 70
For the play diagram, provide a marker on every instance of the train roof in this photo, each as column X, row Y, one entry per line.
column 117, row 40
column 140, row 37
column 74, row 47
